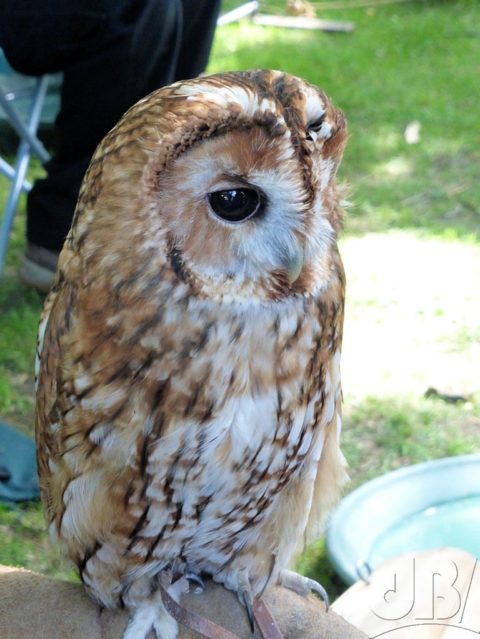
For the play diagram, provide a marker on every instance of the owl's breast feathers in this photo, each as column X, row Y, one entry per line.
column 180, row 423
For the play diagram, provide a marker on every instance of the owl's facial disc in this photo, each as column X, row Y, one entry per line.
column 235, row 206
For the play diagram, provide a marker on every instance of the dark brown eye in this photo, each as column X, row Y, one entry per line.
column 314, row 126
column 235, row 205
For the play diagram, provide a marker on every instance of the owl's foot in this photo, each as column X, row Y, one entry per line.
column 303, row 586
column 151, row 615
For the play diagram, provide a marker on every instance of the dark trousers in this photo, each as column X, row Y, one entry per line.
column 112, row 53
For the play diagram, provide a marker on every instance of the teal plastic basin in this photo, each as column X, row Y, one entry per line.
column 419, row 507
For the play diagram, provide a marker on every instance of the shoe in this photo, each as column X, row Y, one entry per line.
column 38, row 267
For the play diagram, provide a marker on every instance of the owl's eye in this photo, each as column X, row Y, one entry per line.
column 235, row 205
column 314, row 127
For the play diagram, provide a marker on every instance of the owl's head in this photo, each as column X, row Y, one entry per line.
column 225, row 181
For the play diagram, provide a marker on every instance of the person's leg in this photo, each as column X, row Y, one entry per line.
column 137, row 54
column 43, row 37
column 199, row 22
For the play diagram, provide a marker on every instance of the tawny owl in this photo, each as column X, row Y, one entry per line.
column 188, row 402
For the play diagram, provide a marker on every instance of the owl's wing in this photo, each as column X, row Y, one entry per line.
column 52, row 325
column 332, row 467
column 76, row 485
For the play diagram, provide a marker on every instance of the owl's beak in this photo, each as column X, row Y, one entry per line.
column 294, row 264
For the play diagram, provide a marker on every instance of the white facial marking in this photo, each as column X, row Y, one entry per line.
column 314, row 107
column 225, row 96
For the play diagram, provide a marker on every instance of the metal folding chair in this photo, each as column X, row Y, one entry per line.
column 22, row 100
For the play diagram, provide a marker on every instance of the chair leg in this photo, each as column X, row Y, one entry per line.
column 9, row 172
column 24, row 129
column 21, row 165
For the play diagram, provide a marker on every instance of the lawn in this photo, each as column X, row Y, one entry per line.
column 411, row 243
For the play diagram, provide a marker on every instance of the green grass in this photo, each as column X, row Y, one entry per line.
column 409, row 62
column 19, row 312
column 24, row 542
column 382, row 434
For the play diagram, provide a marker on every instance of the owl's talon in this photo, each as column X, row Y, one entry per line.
column 303, row 586
column 319, row 589
column 247, row 600
column 192, row 577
